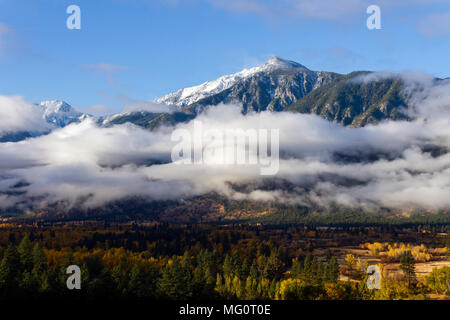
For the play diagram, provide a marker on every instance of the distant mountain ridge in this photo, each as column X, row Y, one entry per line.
column 283, row 85
column 277, row 85
column 352, row 102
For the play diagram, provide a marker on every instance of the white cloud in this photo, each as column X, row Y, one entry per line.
column 18, row 115
column 4, row 29
column 396, row 167
column 343, row 11
column 322, row 10
column 327, row 10
column 107, row 70
column 434, row 25
column 5, row 34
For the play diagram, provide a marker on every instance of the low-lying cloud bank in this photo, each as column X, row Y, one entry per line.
column 393, row 164
column 16, row 114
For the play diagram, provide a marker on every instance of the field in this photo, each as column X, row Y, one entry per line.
column 393, row 269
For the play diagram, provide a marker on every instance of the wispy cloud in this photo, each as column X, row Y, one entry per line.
column 323, row 10
column 435, row 25
column 5, row 35
column 108, row 70
column 334, row 57
column 328, row 9
column 245, row 6
column 4, row 29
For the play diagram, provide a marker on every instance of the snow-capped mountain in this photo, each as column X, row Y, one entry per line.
column 188, row 96
column 277, row 85
column 273, row 85
column 60, row 113
column 52, row 114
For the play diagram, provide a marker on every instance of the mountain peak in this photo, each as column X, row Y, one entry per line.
column 279, row 63
column 187, row 96
column 54, row 106
column 60, row 113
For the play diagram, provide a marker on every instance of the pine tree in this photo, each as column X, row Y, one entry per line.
column 274, row 289
column 137, row 281
column 251, row 288
column 39, row 270
column 238, row 288
column 220, row 287
column 120, row 280
column 407, row 264
column 332, row 271
column 243, row 272
column 307, row 267
column 199, row 285
column 236, row 263
column 319, row 273
column 227, row 267
column 175, row 282
column 9, row 270
column 27, row 283
column 328, row 254
column 297, row 269
column 26, row 254
column 186, row 260
column 274, row 267
column 254, row 271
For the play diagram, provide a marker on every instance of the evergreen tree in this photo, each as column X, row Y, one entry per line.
column 220, row 287
column 175, row 282
column 227, row 267
column 9, row 271
column 39, row 271
column 307, row 264
column 319, row 277
column 407, row 264
column 297, row 269
column 274, row 288
column 27, row 283
column 244, row 270
column 251, row 288
column 274, row 267
column 332, row 271
column 203, row 282
column 254, row 271
column 136, row 284
column 328, row 254
column 120, row 280
column 26, row 254
column 236, row 263
column 186, row 260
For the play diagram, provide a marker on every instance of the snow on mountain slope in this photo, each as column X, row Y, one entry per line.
column 38, row 119
column 60, row 113
column 188, row 96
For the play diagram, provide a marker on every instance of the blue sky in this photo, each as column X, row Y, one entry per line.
column 136, row 50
